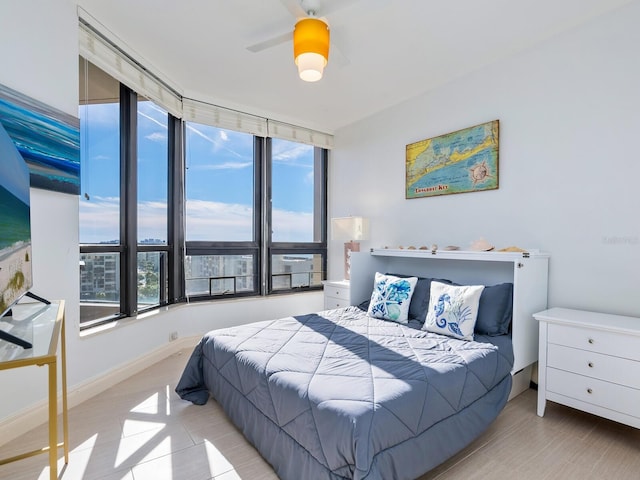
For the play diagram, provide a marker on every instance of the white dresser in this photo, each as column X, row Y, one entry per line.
column 590, row 361
column 336, row 294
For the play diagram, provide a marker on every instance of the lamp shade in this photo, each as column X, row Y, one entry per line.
column 349, row 228
column 311, row 48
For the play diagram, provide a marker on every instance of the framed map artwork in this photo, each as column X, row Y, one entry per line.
column 457, row 162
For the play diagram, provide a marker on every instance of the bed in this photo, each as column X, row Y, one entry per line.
column 341, row 394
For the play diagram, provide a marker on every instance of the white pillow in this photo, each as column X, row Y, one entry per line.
column 391, row 297
column 453, row 310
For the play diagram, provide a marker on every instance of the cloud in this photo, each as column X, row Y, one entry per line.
column 292, row 226
column 308, row 178
column 217, row 221
column 101, row 114
column 224, row 166
column 161, row 123
column 156, row 137
column 99, row 219
column 209, row 136
column 296, row 154
column 206, row 221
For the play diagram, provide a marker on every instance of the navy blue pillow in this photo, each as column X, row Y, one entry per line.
column 495, row 310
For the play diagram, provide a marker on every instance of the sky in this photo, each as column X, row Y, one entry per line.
column 219, row 180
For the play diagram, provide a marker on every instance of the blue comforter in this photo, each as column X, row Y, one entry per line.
column 343, row 387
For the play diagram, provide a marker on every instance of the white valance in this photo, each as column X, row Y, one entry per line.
column 216, row 116
column 286, row 131
column 106, row 55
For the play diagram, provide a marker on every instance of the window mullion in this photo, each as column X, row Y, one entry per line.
column 266, row 199
column 175, row 210
column 129, row 205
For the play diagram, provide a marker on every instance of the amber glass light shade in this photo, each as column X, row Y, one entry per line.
column 311, row 48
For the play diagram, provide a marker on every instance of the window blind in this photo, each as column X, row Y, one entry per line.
column 114, row 60
column 216, row 116
column 287, row 131
column 103, row 53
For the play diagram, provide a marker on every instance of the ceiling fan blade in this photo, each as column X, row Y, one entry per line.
column 270, row 42
column 337, row 57
column 320, row 8
column 294, row 7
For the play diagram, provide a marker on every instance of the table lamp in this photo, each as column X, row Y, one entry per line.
column 352, row 230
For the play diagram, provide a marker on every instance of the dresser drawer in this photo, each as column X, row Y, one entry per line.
column 593, row 340
column 596, row 392
column 334, row 302
column 596, row 365
column 337, row 294
column 337, row 291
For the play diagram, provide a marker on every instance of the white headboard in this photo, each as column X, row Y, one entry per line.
column 527, row 271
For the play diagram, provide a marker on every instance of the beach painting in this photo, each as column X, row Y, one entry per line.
column 15, row 226
column 48, row 140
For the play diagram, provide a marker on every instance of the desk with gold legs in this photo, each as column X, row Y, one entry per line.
column 44, row 324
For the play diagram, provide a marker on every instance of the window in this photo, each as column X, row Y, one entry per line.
column 219, row 184
column 293, row 193
column 205, row 206
column 254, row 214
column 152, row 203
column 125, row 253
column 99, row 226
column 222, row 227
column 297, row 244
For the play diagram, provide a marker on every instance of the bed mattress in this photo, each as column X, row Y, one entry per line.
column 338, row 394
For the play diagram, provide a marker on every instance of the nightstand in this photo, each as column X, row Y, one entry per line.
column 590, row 361
column 337, row 294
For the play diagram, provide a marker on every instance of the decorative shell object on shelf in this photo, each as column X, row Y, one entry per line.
column 512, row 249
column 481, row 245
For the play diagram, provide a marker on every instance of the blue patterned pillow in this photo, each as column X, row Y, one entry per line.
column 391, row 297
column 453, row 310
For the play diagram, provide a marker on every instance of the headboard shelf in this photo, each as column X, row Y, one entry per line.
column 490, row 256
column 528, row 273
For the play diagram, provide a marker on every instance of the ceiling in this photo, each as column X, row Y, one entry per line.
column 384, row 52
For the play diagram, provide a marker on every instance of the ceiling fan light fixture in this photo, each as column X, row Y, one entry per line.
column 311, row 48
column 310, row 66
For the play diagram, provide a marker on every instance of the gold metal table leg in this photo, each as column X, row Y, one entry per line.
column 53, row 420
column 65, row 411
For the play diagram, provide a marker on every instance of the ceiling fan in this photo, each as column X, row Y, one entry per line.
column 315, row 11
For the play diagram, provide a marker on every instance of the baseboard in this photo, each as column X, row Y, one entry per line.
column 37, row 414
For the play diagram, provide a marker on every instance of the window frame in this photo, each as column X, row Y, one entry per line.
column 173, row 278
column 271, row 248
column 171, row 281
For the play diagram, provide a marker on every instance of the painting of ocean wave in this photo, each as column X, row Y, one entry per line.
column 48, row 140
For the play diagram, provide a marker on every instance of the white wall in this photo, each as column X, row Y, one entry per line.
column 39, row 51
column 569, row 114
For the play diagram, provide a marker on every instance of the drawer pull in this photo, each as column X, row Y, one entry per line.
column 589, row 391
column 590, row 364
column 591, row 340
